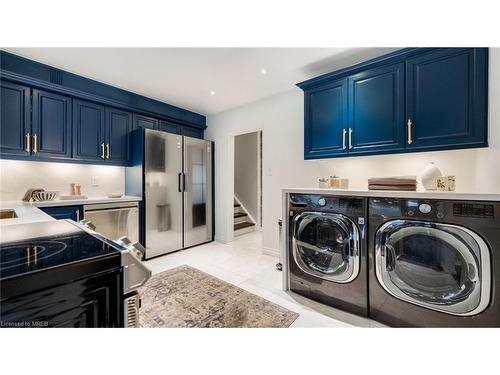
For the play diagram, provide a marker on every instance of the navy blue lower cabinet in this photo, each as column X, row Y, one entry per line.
column 88, row 131
column 141, row 121
column 74, row 213
column 325, row 120
column 169, row 127
column 15, row 123
column 447, row 99
column 376, row 110
column 118, row 136
column 192, row 132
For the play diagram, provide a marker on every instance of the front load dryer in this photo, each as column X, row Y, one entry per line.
column 326, row 250
column 434, row 263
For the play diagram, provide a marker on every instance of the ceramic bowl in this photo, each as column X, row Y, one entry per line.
column 46, row 195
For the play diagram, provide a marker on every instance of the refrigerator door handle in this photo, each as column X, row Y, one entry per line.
column 179, row 183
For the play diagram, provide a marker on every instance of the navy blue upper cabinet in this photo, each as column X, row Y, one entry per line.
column 145, row 122
column 169, row 127
column 414, row 99
column 376, row 110
column 447, row 99
column 325, row 120
column 118, row 135
column 51, row 128
column 15, row 124
column 88, row 131
column 48, row 114
column 192, row 132
column 101, row 134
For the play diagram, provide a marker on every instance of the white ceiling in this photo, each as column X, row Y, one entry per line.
column 184, row 77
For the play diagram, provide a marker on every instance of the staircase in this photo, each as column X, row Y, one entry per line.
column 242, row 222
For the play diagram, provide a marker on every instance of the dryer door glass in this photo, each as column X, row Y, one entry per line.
column 438, row 266
column 326, row 245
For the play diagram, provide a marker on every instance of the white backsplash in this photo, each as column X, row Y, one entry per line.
column 459, row 163
column 18, row 176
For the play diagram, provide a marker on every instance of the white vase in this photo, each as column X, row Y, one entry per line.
column 429, row 176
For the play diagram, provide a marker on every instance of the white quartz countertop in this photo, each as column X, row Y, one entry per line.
column 90, row 200
column 492, row 197
column 26, row 213
column 30, row 213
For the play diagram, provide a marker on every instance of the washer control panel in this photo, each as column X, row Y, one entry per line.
column 348, row 205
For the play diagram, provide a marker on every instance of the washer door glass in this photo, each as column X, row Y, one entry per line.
column 326, row 245
column 438, row 266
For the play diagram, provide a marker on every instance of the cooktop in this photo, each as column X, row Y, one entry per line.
column 29, row 248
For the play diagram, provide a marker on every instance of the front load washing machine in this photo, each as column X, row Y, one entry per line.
column 434, row 263
column 327, row 251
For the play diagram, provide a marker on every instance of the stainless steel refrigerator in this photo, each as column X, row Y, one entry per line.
column 177, row 188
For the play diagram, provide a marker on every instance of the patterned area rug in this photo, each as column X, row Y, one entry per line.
column 187, row 297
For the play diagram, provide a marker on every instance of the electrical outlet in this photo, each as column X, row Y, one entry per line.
column 93, row 181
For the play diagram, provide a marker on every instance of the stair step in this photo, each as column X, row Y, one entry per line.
column 239, row 214
column 243, row 225
column 237, row 205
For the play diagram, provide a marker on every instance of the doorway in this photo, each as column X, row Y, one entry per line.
column 247, row 198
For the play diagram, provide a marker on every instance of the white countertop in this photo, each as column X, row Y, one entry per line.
column 90, row 200
column 27, row 212
column 492, row 197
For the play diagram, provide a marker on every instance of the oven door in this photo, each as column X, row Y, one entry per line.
column 326, row 245
column 437, row 266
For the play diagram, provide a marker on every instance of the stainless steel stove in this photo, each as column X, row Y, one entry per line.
column 88, row 275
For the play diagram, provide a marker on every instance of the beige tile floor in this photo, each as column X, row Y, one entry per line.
column 242, row 263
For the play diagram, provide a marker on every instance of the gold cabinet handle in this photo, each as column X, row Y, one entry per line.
column 344, row 132
column 102, row 151
column 409, row 124
column 107, row 150
column 27, row 146
column 350, row 138
column 35, row 143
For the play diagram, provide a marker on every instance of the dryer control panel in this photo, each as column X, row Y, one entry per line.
column 424, row 209
column 438, row 210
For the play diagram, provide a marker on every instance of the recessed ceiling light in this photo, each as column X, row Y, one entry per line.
column 263, row 71
column 212, row 92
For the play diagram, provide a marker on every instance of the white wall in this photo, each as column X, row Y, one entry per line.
column 245, row 171
column 16, row 176
column 281, row 119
